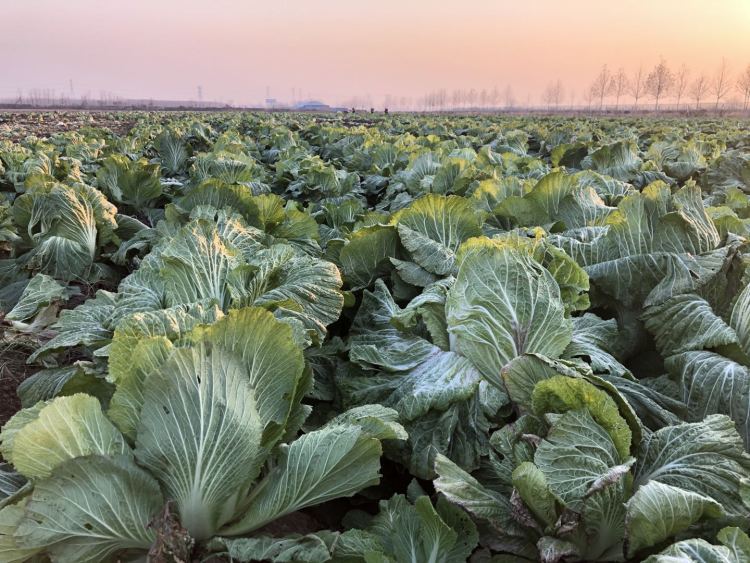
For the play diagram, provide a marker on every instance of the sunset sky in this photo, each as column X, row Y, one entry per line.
column 335, row 49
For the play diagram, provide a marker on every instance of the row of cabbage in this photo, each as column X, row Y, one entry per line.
column 542, row 327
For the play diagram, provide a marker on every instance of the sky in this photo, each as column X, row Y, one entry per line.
column 246, row 50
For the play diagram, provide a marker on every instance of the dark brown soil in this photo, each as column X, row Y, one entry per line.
column 13, row 370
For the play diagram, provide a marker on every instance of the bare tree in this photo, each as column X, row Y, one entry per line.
column 508, row 97
column 494, row 97
column 681, row 83
column 558, row 93
column 637, row 83
column 553, row 94
column 699, row 89
column 618, row 85
column 602, row 86
column 589, row 96
column 548, row 96
column 456, row 98
column 743, row 85
column 659, row 82
column 720, row 85
column 483, row 97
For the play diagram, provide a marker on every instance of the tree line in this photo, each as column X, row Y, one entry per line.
column 662, row 82
column 610, row 90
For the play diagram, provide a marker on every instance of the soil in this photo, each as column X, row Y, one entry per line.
column 13, row 370
column 9, row 403
column 17, row 125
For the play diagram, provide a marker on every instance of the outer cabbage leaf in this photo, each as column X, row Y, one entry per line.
column 422, row 532
column 578, row 457
column 694, row 551
column 594, row 341
column 687, row 322
column 310, row 548
column 90, row 509
column 87, row 325
column 619, row 160
column 173, row 152
column 132, row 183
column 462, row 489
column 140, row 346
column 66, row 428
column 713, row 384
column 657, row 512
column 730, row 170
column 504, row 304
column 367, row 255
column 223, row 402
column 41, row 292
column 656, row 245
column 438, row 394
column 561, row 394
column 62, row 227
column 705, row 458
column 335, row 461
column 10, row 552
column 740, row 319
column 433, row 227
column 284, row 278
column 81, row 377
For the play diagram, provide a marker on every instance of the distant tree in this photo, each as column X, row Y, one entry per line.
column 659, row 82
column 698, row 89
column 681, row 83
column 619, row 85
column 463, row 96
column 442, row 98
column 494, row 97
column 637, row 83
column 589, row 96
column 602, row 86
column 455, row 98
column 509, row 97
column 483, row 97
column 743, row 85
column 559, row 93
column 720, row 85
column 553, row 94
column 548, row 96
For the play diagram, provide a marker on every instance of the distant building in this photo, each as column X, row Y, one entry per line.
column 311, row 105
column 271, row 103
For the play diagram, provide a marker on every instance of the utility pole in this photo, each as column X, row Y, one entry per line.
column 200, row 93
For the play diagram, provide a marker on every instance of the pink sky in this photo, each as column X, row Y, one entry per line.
column 335, row 49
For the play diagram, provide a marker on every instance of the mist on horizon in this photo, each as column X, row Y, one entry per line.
column 391, row 52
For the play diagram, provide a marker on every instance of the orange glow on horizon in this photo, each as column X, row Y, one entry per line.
column 333, row 49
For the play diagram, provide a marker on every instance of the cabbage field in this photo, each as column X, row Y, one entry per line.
column 374, row 338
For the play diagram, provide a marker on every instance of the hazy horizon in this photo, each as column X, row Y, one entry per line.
column 335, row 51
